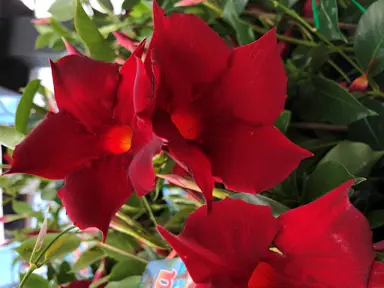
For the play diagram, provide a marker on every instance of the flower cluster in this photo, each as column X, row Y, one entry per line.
column 212, row 108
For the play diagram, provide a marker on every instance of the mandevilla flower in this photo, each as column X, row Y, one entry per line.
column 95, row 140
column 326, row 244
column 216, row 106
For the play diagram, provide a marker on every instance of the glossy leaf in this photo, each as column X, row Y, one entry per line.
column 376, row 218
column 43, row 40
column 328, row 17
column 323, row 100
column 126, row 268
column 369, row 130
column 106, row 4
column 10, row 137
column 62, row 10
column 283, row 121
column 129, row 4
column 25, row 105
column 323, row 179
column 35, row 281
column 87, row 258
column 244, row 33
column 129, row 282
column 21, row 207
column 276, row 207
column 69, row 243
column 88, row 32
column 369, row 39
column 358, row 158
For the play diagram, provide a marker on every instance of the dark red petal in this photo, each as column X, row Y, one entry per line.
column 254, row 88
column 249, row 159
column 86, row 88
column 327, row 241
column 92, row 195
column 376, row 279
column 56, row 147
column 141, row 170
column 185, row 154
column 132, row 84
column 186, row 44
column 224, row 247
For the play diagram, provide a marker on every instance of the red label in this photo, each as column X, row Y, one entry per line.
column 165, row 279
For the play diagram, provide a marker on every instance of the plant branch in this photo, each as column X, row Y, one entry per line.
column 319, row 126
column 121, row 252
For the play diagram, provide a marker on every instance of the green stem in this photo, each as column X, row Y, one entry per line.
column 99, row 282
column 36, row 262
column 213, row 7
column 315, row 32
column 375, row 93
column 121, row 252
column 338, row 69
column 149, row 210
column 32, row 268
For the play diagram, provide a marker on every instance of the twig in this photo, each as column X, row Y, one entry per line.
column 319, row 126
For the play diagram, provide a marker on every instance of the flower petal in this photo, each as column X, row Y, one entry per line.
column 186, row 44
column 141, row 170
column 79, row 284
column 86, row 88
column 336, row 248
column 224, row 247
column 254, row 88
column 92, row 195
column 56, row 147
column 185, row 154
column 251, row 159
column 134, row 84
column 376, row 279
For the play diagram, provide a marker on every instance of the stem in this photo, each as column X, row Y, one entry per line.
column 149, row 210
column 338, row 69
column 121, row 252
column 375, row 93
column 50, row 244
column 215, row 8
column 32, row 268
column 319, row 126
column 99, row 282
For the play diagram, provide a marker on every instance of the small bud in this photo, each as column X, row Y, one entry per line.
column 71, row 49
column 188, row 2
column 359, row 84
column 125, row 41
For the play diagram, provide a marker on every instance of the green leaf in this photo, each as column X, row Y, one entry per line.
column 126, row 268
column 25, row 105
column 283, row 121
column 128, row 4
column 35, row 281
column 106, row 4
column 130, row 282
column 326, row 177
column 65, row 274
column 276, row 207
column 376, row 218
column 21, row 207
column 87, row 258
column 358, row 158
column 88, row 32
column 60, row 29
column 178, row 219
column 120, row 241
column 244, row 33
column 328, row 18
column 369, row 130
column 10, row 137
column 323, row 100
column 62, row 10
column 369, row 38
column 68, row 244
column 43, row 40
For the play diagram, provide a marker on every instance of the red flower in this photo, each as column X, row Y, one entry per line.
column 326, row 244
column 216, row 106
column 94, row 140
